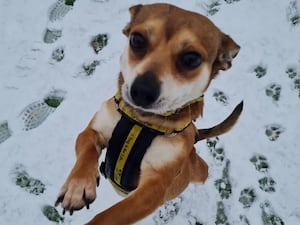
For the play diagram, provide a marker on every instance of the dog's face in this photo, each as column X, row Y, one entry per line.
column 171, row 57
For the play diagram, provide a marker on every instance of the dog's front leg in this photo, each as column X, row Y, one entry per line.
column 144, row 200
column 79, row 190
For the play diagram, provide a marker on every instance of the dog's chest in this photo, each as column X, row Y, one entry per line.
column 126, row 148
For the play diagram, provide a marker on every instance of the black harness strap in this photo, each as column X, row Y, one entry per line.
column 126, row 149
column 128, row 144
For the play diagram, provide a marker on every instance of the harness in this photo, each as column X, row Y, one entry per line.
column 128, row 144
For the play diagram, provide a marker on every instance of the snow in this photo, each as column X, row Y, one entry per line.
column 28, row 74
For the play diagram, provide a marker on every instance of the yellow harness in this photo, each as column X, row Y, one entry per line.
column 128, row 144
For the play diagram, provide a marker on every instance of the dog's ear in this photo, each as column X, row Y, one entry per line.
column 133, row 12
column 227, row 51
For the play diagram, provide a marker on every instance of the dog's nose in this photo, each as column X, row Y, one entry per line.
column 145, row 90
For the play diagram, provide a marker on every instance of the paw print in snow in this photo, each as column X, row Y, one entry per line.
column 168, row 211
column 221, row 217
column 28, row 183
column 297, row 85
column 247, row 197
column 52, row 214
column 58, row 54
column 220, row 96
column 260, row 163
column 211, row 6
column 273, row 131
column 223, row 185
column 99, row 42
column 268, row 215
column 216, row 150
column 291, row 72
column 260, row 71
column 293, row 12
column 273, row 90
column 89, row 69
column 295, row 76
column 5, row 132
column 267, row 184
column 244, row 220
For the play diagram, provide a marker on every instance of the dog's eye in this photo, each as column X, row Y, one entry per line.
column 138, row 42
column 189, row 60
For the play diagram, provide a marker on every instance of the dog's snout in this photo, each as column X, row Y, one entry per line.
column 145, row 90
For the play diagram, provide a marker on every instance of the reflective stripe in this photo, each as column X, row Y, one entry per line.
column 125, row 151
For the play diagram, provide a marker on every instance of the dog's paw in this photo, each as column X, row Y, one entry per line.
column 78, row 191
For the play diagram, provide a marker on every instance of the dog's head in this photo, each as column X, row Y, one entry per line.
column 171, row 56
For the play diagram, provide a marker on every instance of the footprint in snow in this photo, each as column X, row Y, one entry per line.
column 26, row 182
column 5, row 132
column 294, row 75
column 52, row 214
column 216, row 149
column 223, row 185
column 260, row 71
column 273, row 91
column 56, row 13
column 221, row 218
column 99, row 42
column 247, row 197
column 221, row 97
column 267, row 184
column 269, row 217
column 59, row 9
column 58, row 54
column 273, row 131
column 37, row 112
column 244, row 220
column 168, row 211
column 260, row 162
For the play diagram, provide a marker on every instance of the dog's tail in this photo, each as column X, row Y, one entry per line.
column 222, row 127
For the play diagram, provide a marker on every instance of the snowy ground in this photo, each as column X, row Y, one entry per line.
column 29, row 75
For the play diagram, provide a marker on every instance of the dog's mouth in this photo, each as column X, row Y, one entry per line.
column 158, row 105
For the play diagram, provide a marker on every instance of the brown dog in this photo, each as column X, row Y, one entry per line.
column 171, row 57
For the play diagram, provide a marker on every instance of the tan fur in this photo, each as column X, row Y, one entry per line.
column 170, row 162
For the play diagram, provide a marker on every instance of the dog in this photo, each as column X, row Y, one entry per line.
column 147, row 127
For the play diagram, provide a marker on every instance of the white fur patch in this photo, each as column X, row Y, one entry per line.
column 160, row 152
column 104, row 121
